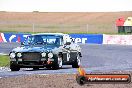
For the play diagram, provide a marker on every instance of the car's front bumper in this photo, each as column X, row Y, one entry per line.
column 31, row 64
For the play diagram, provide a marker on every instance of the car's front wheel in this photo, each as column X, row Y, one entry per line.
column 48, row 67
column 58, row 64
column 77, row 62
column 14, row 68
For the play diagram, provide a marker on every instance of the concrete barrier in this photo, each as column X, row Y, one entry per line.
column 117, row 39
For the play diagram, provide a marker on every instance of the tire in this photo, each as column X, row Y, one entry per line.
column 48, row 67
column 35, row 68
column 55, row 67
column 14, row 68
column 77, row 62
column 58, row 64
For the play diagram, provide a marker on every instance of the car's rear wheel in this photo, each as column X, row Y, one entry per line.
column 77, row 62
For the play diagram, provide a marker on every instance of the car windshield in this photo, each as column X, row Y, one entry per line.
column 43, row 39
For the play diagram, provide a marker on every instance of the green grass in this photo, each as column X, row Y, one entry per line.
column 4, row 60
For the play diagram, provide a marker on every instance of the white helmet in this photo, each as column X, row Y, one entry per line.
column 66, row 38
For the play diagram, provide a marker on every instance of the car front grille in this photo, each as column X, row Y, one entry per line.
column 31, row 56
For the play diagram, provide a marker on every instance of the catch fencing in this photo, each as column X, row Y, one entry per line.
column 65, row 28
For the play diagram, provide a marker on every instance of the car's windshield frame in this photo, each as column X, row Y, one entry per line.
column 43, row 40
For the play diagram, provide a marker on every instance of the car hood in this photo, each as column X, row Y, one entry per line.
column 44, row 48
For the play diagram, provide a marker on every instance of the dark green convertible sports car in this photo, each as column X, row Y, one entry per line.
column 50, row 50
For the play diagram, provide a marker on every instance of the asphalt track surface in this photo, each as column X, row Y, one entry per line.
column 96, row 58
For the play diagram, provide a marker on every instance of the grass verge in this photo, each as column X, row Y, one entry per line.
column 4, row 61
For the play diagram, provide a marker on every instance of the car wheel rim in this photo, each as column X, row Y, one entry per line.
column 60, row 62
column 78, row 61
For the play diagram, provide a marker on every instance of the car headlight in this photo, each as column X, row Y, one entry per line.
column 19, row 54
column 43, row 54
column 12, row 55
column 50, row 55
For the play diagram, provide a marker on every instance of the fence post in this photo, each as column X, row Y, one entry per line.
column 116, row 28
column 87, row 28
